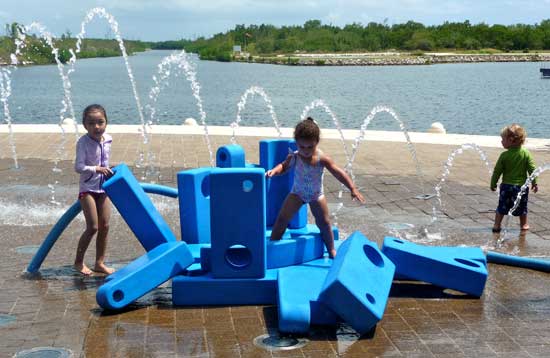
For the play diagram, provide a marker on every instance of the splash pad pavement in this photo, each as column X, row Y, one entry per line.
column 57, row 308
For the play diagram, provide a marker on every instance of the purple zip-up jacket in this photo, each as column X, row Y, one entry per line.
column 89, row 154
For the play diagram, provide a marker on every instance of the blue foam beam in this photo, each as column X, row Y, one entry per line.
column 144, row 274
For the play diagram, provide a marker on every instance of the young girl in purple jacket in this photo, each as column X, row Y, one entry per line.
column 92, row 163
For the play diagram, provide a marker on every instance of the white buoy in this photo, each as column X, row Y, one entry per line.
column 437, row 127
column 190, row 122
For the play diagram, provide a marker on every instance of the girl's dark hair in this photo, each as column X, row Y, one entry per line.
column 307, row 129
column 93, row 108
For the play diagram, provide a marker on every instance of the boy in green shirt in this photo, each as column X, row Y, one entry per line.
column 514, row 165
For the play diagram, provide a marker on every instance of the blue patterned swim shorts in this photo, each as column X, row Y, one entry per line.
column 507, row 197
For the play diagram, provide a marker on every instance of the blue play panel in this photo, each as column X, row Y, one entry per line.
column 226, row 257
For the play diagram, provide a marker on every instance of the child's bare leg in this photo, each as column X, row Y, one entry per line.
column 291, row 205
column 523, row 222
column 90, row 214
column 498, row 221
column 319, row 209
column 104, row 214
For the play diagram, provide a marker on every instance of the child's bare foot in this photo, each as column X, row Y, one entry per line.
column 496, row 229
column 525, row 228
column 83, row 269
column 102, row 268
column 332, row 253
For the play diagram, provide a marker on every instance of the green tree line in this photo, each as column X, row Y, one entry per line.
column 37, row 51
column 315, row 37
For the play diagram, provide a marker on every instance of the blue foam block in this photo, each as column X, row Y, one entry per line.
column 207, row 290
column 273, row 152
column 358, row 283
column 448, row 267
column 470, row 253
column 237, row 222
column 282, row 253
column 137, row 209
column 298, row 298
column 144, row 274
column 194, row 202
column 230, row 156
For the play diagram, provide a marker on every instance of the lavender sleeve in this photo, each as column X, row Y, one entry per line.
column 80, row 160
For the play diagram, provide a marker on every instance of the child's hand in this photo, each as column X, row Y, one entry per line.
column 356, row 195
column 535, row 188
column 104, row 170
column 269, row 173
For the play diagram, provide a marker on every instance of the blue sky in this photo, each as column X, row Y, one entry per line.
column 175, row 19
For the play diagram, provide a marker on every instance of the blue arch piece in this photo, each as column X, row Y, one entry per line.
column 69, row 216
column 524, row 262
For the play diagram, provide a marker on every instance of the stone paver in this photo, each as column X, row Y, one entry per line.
column 58, row 308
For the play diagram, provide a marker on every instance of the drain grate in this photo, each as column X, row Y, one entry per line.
column 45, row 352
column 6, row 319
column 279, row 342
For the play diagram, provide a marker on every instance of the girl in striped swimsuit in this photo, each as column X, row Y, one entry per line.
column 308, row 163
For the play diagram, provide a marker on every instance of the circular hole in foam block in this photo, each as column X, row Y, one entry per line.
column 248, row 185
column 238, row 256
column 118, row 295
column 222, row 156
column 205, row 186
column 467, row 262
column 370, row 298
column 373, row 255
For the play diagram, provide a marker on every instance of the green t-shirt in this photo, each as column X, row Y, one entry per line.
column 514, row 165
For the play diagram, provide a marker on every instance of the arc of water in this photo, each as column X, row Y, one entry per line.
column 374, row 111
column 242, row 103
column 320, row 103
column 5, row 92
column 447, row 170
column 182, row 64
column 172, row 65
column 538, row 171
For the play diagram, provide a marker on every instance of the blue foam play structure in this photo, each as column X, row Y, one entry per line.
column 205, row 289
column 298, row 297
column 358, row 283
column 441, row 266
column 237, row 222
column 225, row 256
column 273, row 152
column 194, row 205
column 144, row 274
column 137, row 209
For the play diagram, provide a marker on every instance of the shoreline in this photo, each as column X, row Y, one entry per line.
column 392, row 59
column 270, row 132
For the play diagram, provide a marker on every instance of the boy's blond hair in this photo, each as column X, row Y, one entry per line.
column 515, row 132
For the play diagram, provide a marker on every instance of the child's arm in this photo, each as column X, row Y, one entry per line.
column 80, row 160
column 342, row 177
column 497, row 172
column 280, row 168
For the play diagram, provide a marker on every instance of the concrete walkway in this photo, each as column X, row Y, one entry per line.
column 58, row 308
